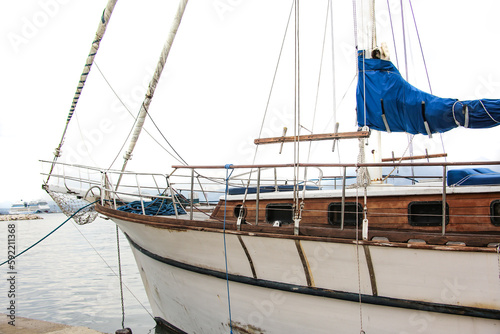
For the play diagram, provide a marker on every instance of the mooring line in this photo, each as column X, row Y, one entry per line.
column 45, row 237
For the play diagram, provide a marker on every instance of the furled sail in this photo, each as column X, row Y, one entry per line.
column 386, row 102
column 101, row 29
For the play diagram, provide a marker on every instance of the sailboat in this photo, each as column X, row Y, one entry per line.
column 370, row 246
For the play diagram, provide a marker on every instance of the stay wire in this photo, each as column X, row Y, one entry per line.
column 425, row 64
column 334, row 92
column 318, row 84
column 420, row 45
column 393, row 35
column 164, row 138
column 269, row 98
column 275, row 72
column 404, row 39
column 179, row 158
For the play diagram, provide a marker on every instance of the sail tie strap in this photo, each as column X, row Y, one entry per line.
column 426, row 124
column 384, row 119
column 465, row 109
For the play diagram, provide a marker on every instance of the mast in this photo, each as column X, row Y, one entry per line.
column 368, row 40
column 152, row 85
column 101, row 29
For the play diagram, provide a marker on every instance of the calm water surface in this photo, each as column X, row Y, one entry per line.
column 63, row 279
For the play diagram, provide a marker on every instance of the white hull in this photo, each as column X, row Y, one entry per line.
column 282, row 291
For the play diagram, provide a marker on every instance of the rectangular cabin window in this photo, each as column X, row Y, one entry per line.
column 427, row 213
column 279, row 213
column 350, row 211
column 495, row 212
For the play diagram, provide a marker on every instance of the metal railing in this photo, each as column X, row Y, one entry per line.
column 208, row 182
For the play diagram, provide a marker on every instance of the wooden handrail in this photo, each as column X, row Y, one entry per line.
column 371, row 164
column 416, row 157
column 313, row 137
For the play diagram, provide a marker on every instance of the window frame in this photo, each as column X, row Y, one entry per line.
column 349, row 215
column 438, row 217
column 494, row 220
column 282, row 208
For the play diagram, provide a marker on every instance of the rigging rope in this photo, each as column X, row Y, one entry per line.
column 357, row 260
column 120, row 274
column 334, row 97
column 228, row 175
column 114, row 273
column 400, row 159
column 296, row 130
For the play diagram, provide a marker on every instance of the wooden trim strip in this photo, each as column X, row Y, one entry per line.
column 305, row 264
column 321, row 292
column 250, row 262
column 306, row 233
column 371, row 271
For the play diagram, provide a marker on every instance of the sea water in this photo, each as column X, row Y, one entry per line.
column 72, row 277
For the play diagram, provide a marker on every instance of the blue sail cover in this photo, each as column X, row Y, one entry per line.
column 383, row 91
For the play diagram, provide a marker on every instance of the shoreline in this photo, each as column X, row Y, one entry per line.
column 22, row 216
column 32, row 326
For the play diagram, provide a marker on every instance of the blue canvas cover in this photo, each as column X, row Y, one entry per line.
column 267, row 189
column 380, row 83
column 472, row 176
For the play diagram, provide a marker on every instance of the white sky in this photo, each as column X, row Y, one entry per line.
column 219, row 71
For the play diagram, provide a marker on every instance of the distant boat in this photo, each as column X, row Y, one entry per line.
column 22, row 207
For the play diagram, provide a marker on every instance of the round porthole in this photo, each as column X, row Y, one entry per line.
column 240, row 209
